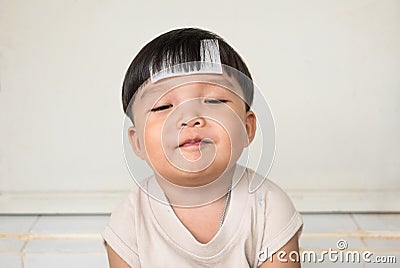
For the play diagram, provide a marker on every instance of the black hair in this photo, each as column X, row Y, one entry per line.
column 179, row 46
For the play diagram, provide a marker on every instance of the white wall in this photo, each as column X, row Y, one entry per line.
column 329, row 69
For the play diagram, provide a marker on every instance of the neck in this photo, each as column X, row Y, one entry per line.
column 184, row 196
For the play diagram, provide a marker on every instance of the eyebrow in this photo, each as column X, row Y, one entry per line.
column 223, row 82
column 149, row 92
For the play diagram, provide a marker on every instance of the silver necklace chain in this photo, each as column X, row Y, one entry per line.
column 228, row 194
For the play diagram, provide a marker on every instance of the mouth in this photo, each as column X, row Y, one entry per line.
column 194, row 142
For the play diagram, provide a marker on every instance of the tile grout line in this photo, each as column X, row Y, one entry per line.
column 358, row 229
column 22, row 253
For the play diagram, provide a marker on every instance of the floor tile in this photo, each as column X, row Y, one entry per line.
column 319, row 223
column 378, row 222
column 63, row 245
column 66, row 260
column 10, row 245
column 16, row 224
column 70, row 224
column 10, row 260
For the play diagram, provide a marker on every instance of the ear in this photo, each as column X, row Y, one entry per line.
column 251, row 124
column 134, row 140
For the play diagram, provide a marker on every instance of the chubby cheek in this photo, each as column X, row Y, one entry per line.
column 234, row 141
column 153, row 143
column 224, row 151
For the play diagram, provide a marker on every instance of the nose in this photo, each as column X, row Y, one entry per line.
column 195, row 122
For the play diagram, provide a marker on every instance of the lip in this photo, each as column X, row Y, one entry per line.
column 190, row 142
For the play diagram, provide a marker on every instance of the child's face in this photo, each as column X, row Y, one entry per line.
column 193, row 133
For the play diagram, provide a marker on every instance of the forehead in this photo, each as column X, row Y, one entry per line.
column 154, row 91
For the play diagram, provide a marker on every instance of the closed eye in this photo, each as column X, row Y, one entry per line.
column 161, row 108
column 214, row 101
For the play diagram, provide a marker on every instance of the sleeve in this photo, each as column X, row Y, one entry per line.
column 282, row 221
column 120, row 233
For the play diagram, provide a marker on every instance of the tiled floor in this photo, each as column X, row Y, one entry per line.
column 377, row 233
column 74, row 241
column 52, row 241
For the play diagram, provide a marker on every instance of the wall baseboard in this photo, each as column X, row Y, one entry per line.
column 105, row 202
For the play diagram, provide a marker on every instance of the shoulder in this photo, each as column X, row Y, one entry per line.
column 120, row 232
column 281, row 219
column 127, row 210
column 124, row 211
column 268, row 192
column 281, row 214
column 122, row 218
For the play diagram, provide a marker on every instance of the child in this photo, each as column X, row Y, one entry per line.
column 188, row 95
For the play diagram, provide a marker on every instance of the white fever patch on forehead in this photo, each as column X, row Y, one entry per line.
column 210, row 63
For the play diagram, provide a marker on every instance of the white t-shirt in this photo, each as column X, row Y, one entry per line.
column 146, row 233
